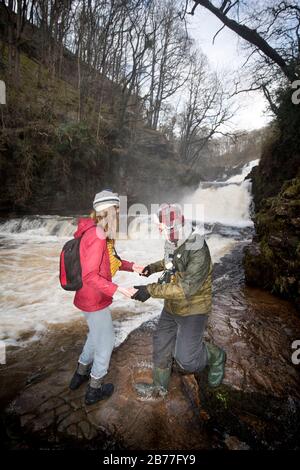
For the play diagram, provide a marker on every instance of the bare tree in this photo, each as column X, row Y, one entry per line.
column 206, row 110
column 16, row 18
column 169, row 53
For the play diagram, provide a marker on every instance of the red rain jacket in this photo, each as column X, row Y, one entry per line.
column 97, row 289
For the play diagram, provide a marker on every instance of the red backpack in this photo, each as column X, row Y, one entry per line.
column 70, row 267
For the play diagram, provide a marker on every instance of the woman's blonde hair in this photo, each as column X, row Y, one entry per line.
column 102, row 218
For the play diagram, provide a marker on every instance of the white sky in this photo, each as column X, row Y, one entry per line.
column 225, row 55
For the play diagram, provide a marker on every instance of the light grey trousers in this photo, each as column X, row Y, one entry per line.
column 99, row 343
column 180, row 337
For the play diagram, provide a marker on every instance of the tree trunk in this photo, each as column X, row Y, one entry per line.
column 79, row 84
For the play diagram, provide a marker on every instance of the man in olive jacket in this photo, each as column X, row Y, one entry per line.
column 186, row 287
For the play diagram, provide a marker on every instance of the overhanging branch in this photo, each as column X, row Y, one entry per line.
column 250, row 35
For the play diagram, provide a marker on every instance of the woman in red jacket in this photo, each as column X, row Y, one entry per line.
column 99, row 262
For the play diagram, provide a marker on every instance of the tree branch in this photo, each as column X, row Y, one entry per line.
column 213, row 41
column 250, row 35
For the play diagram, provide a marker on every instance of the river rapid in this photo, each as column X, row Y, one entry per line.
column 31, row 297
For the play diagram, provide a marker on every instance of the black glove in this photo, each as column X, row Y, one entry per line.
column 146, row 271
column 142, row 294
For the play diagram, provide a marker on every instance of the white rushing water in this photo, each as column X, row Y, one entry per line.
column 31, row 297
column 226, row 202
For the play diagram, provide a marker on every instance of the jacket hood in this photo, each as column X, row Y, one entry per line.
column 84, row 223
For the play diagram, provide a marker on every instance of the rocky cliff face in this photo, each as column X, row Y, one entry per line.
column 273, row 259
column 56, row 169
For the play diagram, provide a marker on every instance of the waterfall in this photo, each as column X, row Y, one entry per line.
column 47, row 227
column 227, row 202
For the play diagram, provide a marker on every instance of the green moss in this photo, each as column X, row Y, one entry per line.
column 266, row 251
column 291, row 190
column 262, row 421
column 277, row 265
column 222, row 397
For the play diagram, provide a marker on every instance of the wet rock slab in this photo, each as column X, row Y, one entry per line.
column 49, row 408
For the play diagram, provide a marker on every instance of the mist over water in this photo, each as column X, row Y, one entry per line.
column 31, row 296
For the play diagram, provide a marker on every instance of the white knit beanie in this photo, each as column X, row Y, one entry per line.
column 105, row 199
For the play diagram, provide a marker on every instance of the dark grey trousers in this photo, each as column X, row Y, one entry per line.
column 180, row 337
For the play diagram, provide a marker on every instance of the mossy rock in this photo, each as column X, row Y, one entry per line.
column 262, row 421
column 274, row 263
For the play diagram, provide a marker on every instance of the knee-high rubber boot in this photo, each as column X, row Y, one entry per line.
column 159, row 386
column 216, row 362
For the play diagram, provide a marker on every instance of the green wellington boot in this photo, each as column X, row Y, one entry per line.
column 216, row 362
column 159, row 386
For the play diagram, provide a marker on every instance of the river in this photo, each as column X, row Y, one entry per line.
column 31, row 297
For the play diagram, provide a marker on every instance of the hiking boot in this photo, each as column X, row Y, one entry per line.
column 159, row 386
column 216, row 361
column 80, row 376
column 97, row 390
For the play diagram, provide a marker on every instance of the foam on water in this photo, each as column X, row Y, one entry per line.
column 31, row 295
column 46, row 228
